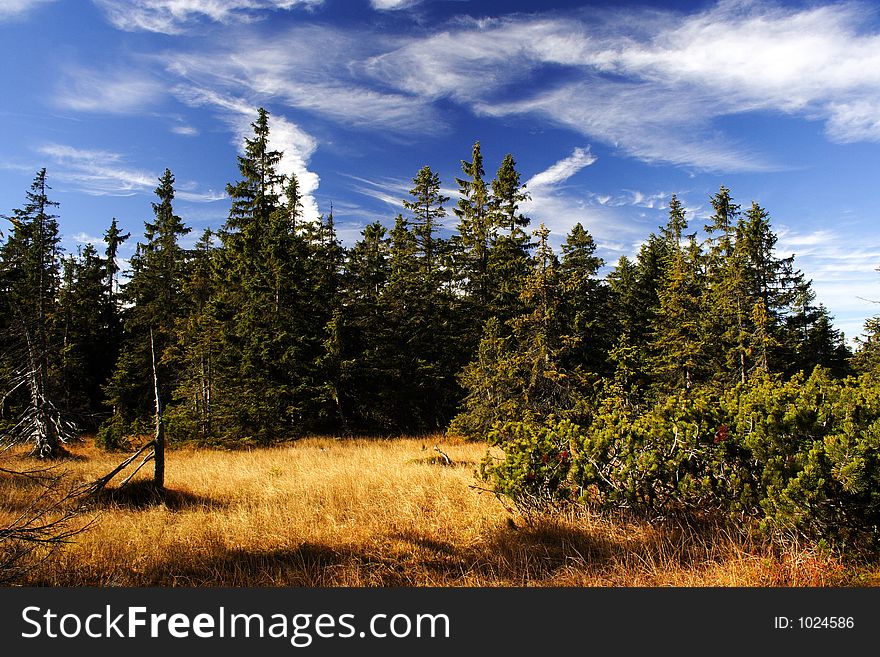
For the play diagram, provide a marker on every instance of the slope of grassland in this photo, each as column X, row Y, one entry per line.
column 334, row 512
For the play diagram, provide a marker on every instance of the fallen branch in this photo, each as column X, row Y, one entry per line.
column 99, row 484
column 149, row 457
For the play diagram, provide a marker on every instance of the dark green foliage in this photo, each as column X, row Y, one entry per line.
column 676, row 459
column 277, row 277
column 359, row 340
column 509, row 245
column 522, row 377
column 679, row 352
column 89, row 330
column 155, row 302
column 796, row 458
column 815, row 444
column 867, row 356
column 584, row 304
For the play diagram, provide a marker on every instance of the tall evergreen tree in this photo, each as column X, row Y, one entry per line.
column 475, row 230
column 508, row 259
column 728, row 307
column 272, row 329
column 679, row 345
column 426, row 206
column 195, row 347
column 88, row 336
column 154, row 303
column 522, row 377
column 113, row 238
column 360, row 340
column 584, row 303
column 634, row 291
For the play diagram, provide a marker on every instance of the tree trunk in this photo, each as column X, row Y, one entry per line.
column 159, row 441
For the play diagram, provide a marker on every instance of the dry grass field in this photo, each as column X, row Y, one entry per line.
column 334, row 512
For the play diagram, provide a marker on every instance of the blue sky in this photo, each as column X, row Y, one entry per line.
column 608, row 108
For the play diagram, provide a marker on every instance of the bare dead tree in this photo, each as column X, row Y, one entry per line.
column 159, row 439
column 157, row 455
column 40, row 423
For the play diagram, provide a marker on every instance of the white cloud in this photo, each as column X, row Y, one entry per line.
column 845, row 280
column 12, row 9
column 559, row 206
column 389, row 191
column 103, row 173
column 654, row 83
column 562, row 170
column 174, row 16
column 392, row 5
column 112, row 91
column 328, row 83
column 185, row 130
column 85, row 238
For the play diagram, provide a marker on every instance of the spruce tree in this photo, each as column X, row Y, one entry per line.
column 584, row 303
column 634, row 291
column 271, row 334
column 521, row 377
column 426, row 206
column 154, row 302
column 88, row 336
column 508, row 258
column 728, row 307
column 679, row 348
column 359, row 338
column 866, row 359
column 475, row 231
column 195, row 347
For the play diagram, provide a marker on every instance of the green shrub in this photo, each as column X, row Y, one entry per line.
column 680, row 457
column 797, row 458
column 815, row 447
column 534, row 472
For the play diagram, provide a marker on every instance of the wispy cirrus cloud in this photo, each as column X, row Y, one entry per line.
column 327, row 83
column 185, row 130
column 175, row 16
column 393, row 5
column 559, row 205
column 845, row 280
column 105, row 173
column 388, row 191
column 655, row 83
column 120, row 90
column 563, row 169
column 13, row 9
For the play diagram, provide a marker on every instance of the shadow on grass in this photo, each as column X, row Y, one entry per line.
column 546, row 552
column 143, row 494
column 507, row 557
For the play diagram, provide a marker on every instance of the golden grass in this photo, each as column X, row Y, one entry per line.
column 328, row 512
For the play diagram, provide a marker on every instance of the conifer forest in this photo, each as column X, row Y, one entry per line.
column 699, row 381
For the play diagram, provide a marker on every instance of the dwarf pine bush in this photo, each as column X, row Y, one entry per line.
column 796, row 458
